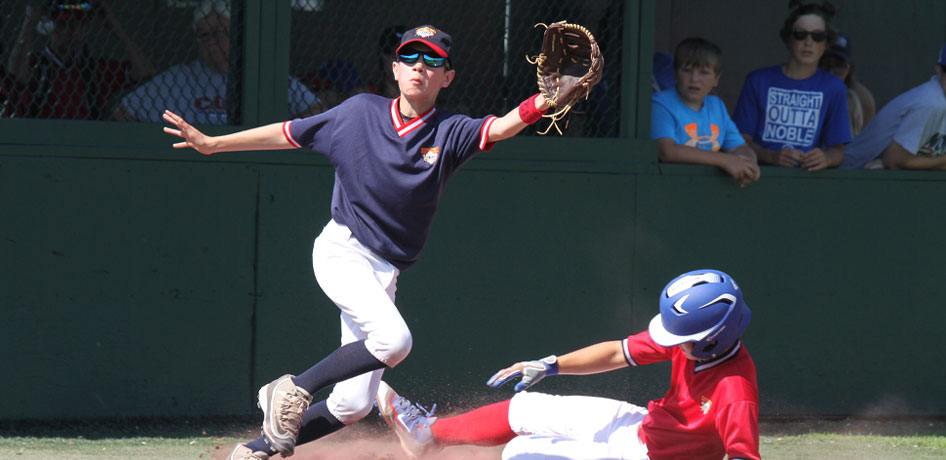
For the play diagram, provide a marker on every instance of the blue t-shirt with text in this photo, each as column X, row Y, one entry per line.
column 778, row 111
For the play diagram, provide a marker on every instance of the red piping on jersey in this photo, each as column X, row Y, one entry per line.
column 484, row 134
column 286, row 132
column 404, row 129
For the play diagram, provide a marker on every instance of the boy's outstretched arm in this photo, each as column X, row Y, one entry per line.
column 594, row 359
column 268, row 137
column 601, row 357
column 512, row 123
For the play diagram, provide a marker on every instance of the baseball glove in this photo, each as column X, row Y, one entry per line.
column 569, row 65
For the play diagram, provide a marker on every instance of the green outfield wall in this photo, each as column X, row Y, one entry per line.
column 146, row 283
column 138, row 280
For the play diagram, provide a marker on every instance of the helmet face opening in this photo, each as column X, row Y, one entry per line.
column 702, row 306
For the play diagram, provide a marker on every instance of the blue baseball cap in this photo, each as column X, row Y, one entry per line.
column 841, row 47
column 436, row 39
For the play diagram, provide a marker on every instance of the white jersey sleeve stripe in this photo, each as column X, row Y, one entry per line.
column 288, row 133
column 627, row 354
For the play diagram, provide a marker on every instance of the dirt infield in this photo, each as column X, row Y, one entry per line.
column 372, row 441
column 363, row 441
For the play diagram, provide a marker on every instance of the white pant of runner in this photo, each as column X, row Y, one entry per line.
column 573, row 428
column 362, row 285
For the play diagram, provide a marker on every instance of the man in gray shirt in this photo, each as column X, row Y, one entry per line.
column 909, row 132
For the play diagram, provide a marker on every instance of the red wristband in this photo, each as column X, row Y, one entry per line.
column 527, row 111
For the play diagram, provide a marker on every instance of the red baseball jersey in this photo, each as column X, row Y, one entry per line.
column 710, row 410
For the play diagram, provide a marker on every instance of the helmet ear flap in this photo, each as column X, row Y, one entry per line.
column 709, row 347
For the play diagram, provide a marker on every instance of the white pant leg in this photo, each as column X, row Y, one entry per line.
column 573, row 428
column 363, row 287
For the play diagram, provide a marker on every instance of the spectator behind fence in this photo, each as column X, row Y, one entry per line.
column 334, row 81
column 860, row 102
column 909, row 132
column 384, row 84
column 662, row 78
column 795, row 114
column 338, row 79
column 197, row 90
column 692, row 126
column 64, row 80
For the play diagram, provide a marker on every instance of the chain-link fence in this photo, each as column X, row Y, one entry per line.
column 130, row 60
column 119, row 59
column 347, row 47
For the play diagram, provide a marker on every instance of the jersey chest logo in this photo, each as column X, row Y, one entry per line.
column 430, row 154
column 705, row 404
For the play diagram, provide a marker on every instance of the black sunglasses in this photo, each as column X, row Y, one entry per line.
column 818, row 36
column 429, row 59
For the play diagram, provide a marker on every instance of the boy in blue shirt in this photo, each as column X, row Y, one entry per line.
column 795, row 115
column 692, row 126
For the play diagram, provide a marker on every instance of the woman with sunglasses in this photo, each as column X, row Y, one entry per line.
column 392, row 158
column 795, row 114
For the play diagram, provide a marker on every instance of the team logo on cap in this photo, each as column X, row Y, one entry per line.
column 426, row 32
column 430, row 154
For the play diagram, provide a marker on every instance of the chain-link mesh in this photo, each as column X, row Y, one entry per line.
column 130, row 60
column 120, row 59
column 343, row 47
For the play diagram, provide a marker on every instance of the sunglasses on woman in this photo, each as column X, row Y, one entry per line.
column 818, row 35
column 429, row 60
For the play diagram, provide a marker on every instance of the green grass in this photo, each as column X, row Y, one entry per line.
column 120, row 439
column 145, row 448
column 853, row 447
column 840, row 439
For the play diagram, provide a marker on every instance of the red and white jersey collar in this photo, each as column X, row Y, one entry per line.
column 404, row 128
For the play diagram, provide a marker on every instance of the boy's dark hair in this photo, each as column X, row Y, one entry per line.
column 825, row 11
column 698, row 52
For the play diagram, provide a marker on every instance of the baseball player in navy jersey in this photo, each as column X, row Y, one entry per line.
column 710, row 411
column 392, row 158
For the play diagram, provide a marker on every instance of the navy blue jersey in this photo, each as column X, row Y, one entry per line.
column 389, row 175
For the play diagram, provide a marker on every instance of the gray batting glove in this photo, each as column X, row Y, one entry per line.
column 530, row 371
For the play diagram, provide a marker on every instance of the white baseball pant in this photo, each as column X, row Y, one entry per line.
column 573, row 428
column 362, row 285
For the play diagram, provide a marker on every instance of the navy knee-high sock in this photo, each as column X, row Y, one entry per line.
column 344, row 363
column 259, row 445
column 317, row 422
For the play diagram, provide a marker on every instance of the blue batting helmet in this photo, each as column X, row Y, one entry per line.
column 704, row 307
